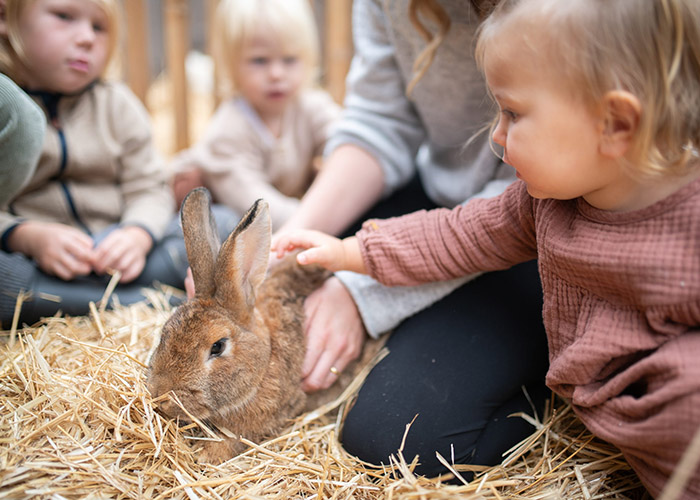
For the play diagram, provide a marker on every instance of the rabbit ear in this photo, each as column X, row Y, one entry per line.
column 201, row 240
column 243, row 259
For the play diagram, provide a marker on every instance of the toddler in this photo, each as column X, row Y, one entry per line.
column 98, row 202
column 598, row 115
column 262, row 140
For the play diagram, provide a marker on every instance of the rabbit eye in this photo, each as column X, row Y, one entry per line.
column 217, row 347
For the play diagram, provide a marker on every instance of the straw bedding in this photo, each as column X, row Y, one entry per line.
column 76, row 421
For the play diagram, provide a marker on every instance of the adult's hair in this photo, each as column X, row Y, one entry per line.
column 421, row 10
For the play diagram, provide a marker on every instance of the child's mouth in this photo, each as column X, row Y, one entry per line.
column 79, row 65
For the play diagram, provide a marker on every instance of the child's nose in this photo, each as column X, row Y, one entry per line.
column 499, row 134
column 277, row 69
column 86, row 33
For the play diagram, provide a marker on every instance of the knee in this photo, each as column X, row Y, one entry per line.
column 376, row 441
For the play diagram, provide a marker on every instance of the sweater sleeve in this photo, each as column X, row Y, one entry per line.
column 22, row 128
column 483, row 235
column 377, row 116
column 148, row 201
column 323, row 113
column 231, row 156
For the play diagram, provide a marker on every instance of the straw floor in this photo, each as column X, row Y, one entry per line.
column 76, row 421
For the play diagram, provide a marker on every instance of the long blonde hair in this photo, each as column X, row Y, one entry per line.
column 238, row 20
column 12, row 56
column 650, row 48
column 431, row 10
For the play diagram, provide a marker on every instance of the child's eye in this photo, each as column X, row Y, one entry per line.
column 289, row 60
column 99, row 27
column 509, row 114
column 259, row 60
column 63, row 16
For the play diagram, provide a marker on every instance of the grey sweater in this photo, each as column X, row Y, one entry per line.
column 22, row 126
column 427, row 133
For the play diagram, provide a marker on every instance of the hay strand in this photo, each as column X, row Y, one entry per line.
column 76, row 420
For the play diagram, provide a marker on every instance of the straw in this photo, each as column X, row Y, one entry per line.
column 77, row 421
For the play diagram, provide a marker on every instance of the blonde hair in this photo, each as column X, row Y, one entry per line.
column 12, row 56
column 237, row 21
column 432, row 11
column 650, row 48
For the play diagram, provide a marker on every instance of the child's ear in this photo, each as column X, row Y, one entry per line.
column 622, row 111
column 3, row 18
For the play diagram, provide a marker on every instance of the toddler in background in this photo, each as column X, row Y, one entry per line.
column 98, row 202
column 262, row 140
column 599, row 105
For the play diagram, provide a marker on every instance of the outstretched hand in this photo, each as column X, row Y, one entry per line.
column 320, row 248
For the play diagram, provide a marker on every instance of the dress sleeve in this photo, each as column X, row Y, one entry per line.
column 323, row 113
column 442, row 244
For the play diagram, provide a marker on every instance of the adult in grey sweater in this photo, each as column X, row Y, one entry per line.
column 22, row 126
column 460, row 351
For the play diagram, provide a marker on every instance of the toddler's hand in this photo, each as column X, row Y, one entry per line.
column 189, row 284
column 58, row 249
column 320, row 248
column 123, row 250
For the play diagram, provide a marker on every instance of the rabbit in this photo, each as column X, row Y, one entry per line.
column 233, row 354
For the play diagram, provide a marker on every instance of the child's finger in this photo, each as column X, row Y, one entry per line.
column 314, row 255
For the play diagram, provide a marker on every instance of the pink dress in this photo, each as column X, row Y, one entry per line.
column 621, row 304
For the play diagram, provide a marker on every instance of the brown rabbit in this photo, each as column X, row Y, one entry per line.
column 233, row 354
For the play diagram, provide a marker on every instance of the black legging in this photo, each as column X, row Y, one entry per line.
column 460, row 366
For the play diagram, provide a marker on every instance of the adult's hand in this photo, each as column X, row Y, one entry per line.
column 335, row 334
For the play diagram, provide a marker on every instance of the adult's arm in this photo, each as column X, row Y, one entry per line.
column 372, row 149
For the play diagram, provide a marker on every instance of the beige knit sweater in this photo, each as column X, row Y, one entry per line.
column 621, row 303
column 242, row 161
column 98, row 167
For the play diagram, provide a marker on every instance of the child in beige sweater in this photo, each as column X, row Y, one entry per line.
column 263, row 138
column 98, row 202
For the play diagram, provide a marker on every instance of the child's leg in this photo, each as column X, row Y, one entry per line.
column 654, row 419
column 15, row 276
column 48, row 294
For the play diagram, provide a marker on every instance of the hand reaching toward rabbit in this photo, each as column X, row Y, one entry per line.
column 320, row 248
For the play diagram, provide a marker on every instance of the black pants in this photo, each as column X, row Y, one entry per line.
column 458, row 367
column 167, row 264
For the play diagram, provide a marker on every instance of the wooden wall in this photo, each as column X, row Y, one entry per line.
column 334, row 26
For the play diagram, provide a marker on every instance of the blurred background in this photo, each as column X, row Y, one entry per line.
column 165, row 59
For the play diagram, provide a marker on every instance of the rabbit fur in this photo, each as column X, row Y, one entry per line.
column 233, row 354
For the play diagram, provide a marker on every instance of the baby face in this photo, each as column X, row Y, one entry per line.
column 549, row 134
column 269, row 74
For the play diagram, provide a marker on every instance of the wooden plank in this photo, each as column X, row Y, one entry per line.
column 337, row 36
column 137, row 55
column 211, row 6
column 176, row 47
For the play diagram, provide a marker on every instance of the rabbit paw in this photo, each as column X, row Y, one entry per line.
column 216, row 452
